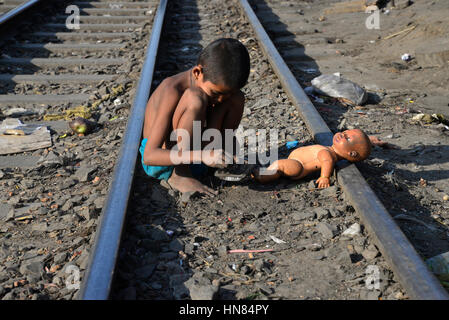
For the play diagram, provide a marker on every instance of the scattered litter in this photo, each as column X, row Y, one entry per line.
column 170, row 232
column 18, row 137
column 79, row 111
column 81, row 126
column 291, row 144
column 279, row 241
column 337, row 87
column 117, row 102
column 18, row 112
column 440, row 265
column 84, row 111
column 446, row 197
column 406, row 57
column 352, row 231
column 428, row 119
column 25, row 217
column 400, row 32
column 248, row 251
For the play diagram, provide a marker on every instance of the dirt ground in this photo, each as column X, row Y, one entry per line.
column 180, row 250
column 411, row 181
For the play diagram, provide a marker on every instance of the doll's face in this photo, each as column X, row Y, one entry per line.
column 352, row 145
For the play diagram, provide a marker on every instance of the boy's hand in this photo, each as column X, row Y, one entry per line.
column 323, row 182
column 215, row 158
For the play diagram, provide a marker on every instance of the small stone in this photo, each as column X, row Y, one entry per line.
column 159, row 234
column 60, row 258
column 145, row 272
column 370, row 253
column 187, row 196
column 32, row 268
column 352, row 231
column 200, row 291
column 321, row 213
column 189, row 248
column 222, row 251
column 40, row 227
column 264, row 289
column 446, row 197
column 311, row 184
column 4, row 210
column 176, row 245
column 51, row 160
column 327, row 231
column 369, row 295
column 303, row 215
column 84, row 173
column 176, row 283
column 329, row 192
column 314, row 246
column 401, row 4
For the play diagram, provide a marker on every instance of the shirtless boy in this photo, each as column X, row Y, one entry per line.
column 353, row 145
column 210, row 93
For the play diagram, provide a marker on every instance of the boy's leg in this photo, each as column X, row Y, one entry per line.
column 286, row 167
column 181, row 178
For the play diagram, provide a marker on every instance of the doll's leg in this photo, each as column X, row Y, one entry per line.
column 286, row 167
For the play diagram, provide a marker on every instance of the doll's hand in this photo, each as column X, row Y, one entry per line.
column 323, row 182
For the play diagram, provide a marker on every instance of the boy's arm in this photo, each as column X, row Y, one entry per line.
column 158, row 132
column 327, row 167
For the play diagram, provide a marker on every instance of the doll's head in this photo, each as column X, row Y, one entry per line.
column 352, row 145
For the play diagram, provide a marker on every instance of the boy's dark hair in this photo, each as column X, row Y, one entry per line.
column 225, row 61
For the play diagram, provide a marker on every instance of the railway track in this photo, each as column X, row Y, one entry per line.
column 170, row 249
column 52, row 197
column 174, row 250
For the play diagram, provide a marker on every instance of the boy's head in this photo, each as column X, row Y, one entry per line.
column 225, row 62
column 352, row 145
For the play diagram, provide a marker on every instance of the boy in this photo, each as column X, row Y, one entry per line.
column 208, row 92
column 353, row 145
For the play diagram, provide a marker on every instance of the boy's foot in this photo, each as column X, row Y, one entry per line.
column 182, row 180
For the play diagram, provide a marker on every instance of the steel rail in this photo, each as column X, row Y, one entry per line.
column 99, row 275
column 19, row 9
column 407, row 265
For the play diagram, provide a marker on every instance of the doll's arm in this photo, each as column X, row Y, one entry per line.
column 327, row 167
